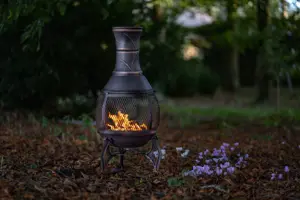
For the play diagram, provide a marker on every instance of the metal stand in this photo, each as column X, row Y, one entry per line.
column 154, row 155
column 151, row 154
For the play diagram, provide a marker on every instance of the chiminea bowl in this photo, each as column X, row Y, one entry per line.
column 127, row 110
column 128, row 139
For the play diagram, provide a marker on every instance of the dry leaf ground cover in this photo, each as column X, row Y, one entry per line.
column 41, row 159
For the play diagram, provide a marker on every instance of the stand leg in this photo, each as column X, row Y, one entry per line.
column 155, row 154
column 122, row 152
column 105, row 150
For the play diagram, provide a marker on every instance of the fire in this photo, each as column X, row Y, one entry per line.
column 122, row 123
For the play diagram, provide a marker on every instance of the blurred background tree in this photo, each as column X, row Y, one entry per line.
column 54, row 50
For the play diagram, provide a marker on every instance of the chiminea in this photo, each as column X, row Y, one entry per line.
column 127, row 114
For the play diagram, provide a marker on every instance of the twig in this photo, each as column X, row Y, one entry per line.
column 217, row 187
column 1, row 163
column 1, row 166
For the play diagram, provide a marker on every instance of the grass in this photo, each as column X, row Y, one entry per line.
column 228, row 112
column 189, row 116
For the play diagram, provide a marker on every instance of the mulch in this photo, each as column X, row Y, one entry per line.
column 56, row 161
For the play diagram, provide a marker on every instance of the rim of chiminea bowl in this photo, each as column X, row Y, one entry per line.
column 128, row 28
column 127, row 133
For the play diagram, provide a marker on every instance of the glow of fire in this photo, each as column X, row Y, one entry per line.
column 122, row 123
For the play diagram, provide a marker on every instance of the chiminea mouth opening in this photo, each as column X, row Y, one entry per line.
column 127, row 28
column 131, row 116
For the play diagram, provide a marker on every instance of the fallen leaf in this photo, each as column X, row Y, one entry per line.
column 40, row 189
column 28, row 196
column 68, row 182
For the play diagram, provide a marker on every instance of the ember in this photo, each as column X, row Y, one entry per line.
column 122, row 123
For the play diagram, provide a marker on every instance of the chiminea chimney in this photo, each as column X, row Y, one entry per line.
column 127, row 75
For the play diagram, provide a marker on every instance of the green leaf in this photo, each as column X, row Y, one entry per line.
column 10, row 16
column 104, row 13
column 57, row 131
column 33, row 166
column 44, row 122
column 175, row 182
column 76, row 3
column 82, row 137
column 62, row 9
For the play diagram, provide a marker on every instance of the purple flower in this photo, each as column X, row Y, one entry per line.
column 197, row 161
column 206, row 152
column 200, row 157
column 223, row 151
column 236, row 144
column 280, row 176
column 286, row 169
column 226, row 144
column 207, row 161
column 179, row 148
column 225, row 165
column 209, row 172
column 240, row 162
column 273, row 176
column 216, row 160
column 232, row 149
column 223, row 158
column 215, row 153
column 219, row 171
column 230, row 170
column 197, row 170
column 205, row 169
column 246, row 156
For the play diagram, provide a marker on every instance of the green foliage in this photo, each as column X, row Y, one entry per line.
column 208, row 81
column 48, row 46
column 184, row 80
column 164, row 64
column 277, row 53
column 262, row 137
column 175, row 182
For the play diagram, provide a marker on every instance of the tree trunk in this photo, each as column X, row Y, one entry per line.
column 263, row 75
column 233, row 82
column 284, row 7
column 284, row 15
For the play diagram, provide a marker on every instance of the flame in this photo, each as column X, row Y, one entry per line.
column 122, row 123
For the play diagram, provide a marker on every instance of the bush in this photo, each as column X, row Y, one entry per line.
column 183, row 81
column 176, row 77
column 64, row 55
column 208, row 82
column 164, row 66
column 166, row 69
